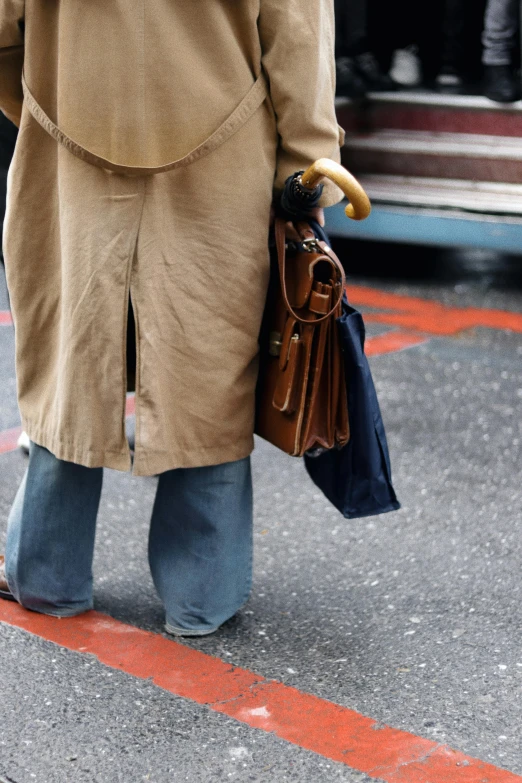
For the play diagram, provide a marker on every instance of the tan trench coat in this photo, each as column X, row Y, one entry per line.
column 100, row 208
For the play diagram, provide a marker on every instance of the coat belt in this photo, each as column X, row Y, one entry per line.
column 248, row 106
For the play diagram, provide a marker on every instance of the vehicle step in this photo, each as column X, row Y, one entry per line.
column 467, row 156
column 429, row 226
column 428, row 98
column 428, row 111
column 500, row 198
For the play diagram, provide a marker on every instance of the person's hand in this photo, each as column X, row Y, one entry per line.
column 290, row 232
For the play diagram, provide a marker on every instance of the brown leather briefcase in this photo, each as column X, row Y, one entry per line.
column 301, row 393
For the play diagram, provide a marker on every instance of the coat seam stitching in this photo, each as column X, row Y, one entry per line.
column 236, row 120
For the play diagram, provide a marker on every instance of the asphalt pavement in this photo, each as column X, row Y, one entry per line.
column 413, row 619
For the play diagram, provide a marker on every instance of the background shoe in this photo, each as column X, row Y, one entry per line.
column 349, row 82
column 406, row 69
column 4, row 587
column 501, row 84
column 370, row 71
column 449, row 80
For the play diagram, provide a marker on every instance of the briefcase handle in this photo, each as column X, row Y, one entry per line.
column 307, row 235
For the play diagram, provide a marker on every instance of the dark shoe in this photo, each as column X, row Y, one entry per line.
column 4, row 587
column 369, row 70
column 500, row 84
column 349, row 83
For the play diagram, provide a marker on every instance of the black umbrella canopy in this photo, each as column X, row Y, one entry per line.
column 297, row 201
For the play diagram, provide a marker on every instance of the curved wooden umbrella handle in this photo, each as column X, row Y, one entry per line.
column 359, row 207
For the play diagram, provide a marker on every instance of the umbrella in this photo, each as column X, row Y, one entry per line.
column 303, row 190
column 357, row 477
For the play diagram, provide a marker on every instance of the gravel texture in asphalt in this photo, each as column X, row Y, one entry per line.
column 413, row 618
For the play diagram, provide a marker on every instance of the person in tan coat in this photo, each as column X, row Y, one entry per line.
column 154, row 138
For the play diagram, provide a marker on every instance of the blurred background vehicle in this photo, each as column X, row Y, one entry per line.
column 434, row 125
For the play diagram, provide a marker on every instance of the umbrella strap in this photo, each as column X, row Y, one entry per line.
column 248, row 106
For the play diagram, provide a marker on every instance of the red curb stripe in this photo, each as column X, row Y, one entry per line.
column 391, row 342
column 9, row 439
column 5, row 318
column 302, row 719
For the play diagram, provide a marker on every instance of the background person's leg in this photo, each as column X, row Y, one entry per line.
column 500, row 31
column 501, row 23
column 200, row 547
column 358, row 70
column 350, row 40
column 50, row 535
column 350, row 27
column 452, row 44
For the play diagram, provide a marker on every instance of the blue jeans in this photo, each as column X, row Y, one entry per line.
column 200, row 544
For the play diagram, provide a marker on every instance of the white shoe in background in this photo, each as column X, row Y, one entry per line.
column 24, row 442
column 449, row 80
column 406, row 67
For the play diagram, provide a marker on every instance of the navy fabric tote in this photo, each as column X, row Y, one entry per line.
column 356, row 478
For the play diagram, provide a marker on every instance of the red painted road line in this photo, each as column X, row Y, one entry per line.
column 321, row 726
column 5, row 318
column 425, row 315
column 9, row 439
column 391, row 342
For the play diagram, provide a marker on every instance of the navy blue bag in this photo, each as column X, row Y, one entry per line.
column 356, row 478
